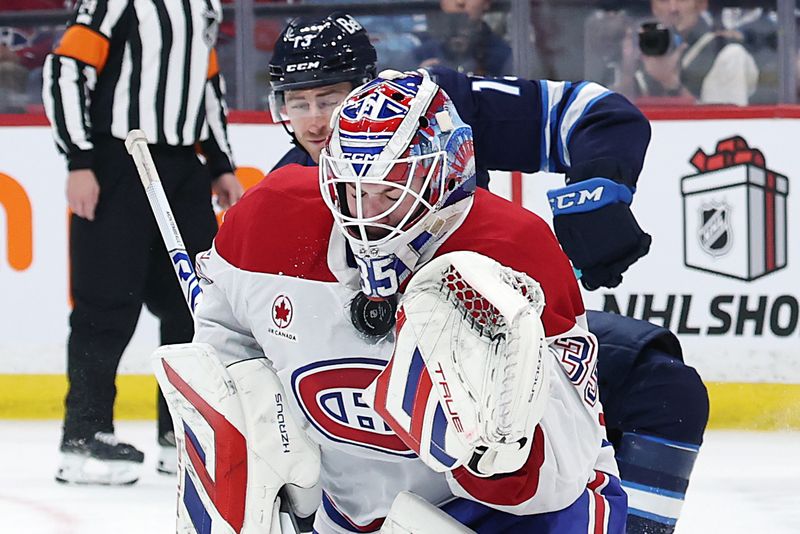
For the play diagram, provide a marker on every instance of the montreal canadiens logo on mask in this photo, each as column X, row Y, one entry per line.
column 331, row 395
column 375, row 107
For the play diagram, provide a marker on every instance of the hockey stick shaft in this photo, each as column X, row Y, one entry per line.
column 136, row 143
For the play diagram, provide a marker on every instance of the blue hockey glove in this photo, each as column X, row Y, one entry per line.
column 594, row 224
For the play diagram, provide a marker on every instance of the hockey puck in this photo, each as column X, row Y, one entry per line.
column 373, row 317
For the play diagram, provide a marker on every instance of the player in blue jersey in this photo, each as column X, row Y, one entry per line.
column 656, row 407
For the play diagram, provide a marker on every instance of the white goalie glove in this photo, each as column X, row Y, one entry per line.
column 469, row 377
column 237, row 443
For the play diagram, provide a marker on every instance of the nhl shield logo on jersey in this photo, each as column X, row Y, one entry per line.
column 331, row 395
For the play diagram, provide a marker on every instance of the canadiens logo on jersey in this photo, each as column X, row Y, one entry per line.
column 282, row 311
column 331, row 396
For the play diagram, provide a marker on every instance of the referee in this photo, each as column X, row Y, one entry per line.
column 122, row 65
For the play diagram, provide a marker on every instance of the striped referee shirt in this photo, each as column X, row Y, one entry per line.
column 148, row 64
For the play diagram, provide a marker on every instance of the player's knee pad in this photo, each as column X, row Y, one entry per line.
column 694, row 397
column 662, row 397
column 237, row 443
column 679, row 397
column 655, row 474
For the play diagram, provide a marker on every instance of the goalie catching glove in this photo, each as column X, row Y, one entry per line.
column 469, row 377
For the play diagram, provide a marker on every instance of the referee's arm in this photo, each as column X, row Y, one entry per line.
column 214, row 136
column 70, row 74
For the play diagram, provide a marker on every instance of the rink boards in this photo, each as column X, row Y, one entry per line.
column 722, row 271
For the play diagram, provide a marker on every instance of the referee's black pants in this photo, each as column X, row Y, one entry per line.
column 118, row 262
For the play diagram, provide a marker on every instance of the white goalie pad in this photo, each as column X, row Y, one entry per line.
column 237, row 443
column 469, row 377
column 411, row 514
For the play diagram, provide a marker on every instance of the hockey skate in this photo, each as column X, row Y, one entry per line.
column 100, row 459
column 168, row 454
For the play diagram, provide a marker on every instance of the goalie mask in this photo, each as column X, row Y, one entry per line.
column 396, row 174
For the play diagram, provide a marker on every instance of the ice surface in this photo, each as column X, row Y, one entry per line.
column 744, row 482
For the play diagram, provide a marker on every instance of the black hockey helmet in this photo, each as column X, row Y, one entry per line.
column 314, row 52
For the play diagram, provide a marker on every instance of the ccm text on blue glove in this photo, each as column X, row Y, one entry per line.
column 594, row 224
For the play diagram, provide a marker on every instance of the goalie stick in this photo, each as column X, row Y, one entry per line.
column 136, row 144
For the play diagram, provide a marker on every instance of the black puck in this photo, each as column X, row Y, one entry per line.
column 373, row 317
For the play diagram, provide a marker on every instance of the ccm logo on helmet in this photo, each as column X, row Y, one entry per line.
column 297, row 67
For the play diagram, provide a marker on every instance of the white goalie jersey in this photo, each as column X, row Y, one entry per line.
column 277, row 285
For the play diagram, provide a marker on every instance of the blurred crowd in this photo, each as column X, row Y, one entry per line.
column 22, row 52
column 652, row 51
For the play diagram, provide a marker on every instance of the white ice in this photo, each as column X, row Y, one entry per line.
column 744, row 482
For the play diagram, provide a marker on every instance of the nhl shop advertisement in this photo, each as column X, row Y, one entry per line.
column 718, row 196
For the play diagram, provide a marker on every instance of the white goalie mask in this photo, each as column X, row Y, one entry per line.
column 398, row 165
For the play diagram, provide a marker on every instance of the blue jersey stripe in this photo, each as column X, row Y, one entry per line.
column 653, row 517
column 559, row 142
column 669, row 442
column 653, row 489
column 586, row 108
column 553, row 124
column 543, row 147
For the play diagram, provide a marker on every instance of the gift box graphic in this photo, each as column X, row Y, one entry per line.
column 734, row 213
